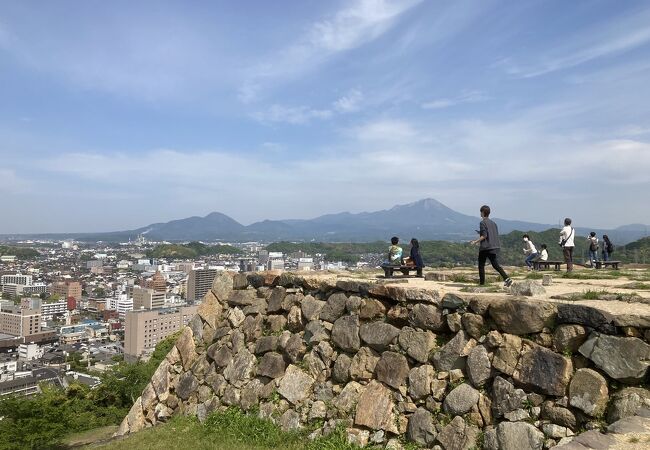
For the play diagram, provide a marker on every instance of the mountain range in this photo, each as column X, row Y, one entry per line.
column 426, row 219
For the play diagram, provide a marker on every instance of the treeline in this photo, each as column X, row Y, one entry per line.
column 44, row 420
column 444, row 253
column 191, row 250
column 18, row 252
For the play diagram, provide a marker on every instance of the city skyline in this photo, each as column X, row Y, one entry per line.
column 115, row 116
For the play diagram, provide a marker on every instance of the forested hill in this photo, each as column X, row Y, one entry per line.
column 444, row 253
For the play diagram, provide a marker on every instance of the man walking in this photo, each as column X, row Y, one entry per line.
column 489, row 246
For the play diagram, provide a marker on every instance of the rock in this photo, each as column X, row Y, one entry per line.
column 160, row 380
column 294, row 319
column 242, row 298
column 559, row 415
column 341, row 371
column 629, row 425
column 519, row 436
column 522, row 316
column 236, row 317
column 290, row 421
column 453, row 322
column 315, row 332
column 210, row 309
column 450, row 356
column 588, row 392
column 438, row 389
column 517, row 415
column 186, row 348
column 266, row 344
column 271, row 365
column 363, row 364
column 378, row 335
column 479, row 367
column 136, row 418
column 556, row 431
column 485, row 409
column 294, row 348
column 420, row 379
column 187, row 383
column 527, row 288
column 569, row 338
column 334, row 308
column 275, row 300
column 311, row 308
column 427, row 317
column 505, row 397
column 348, row 398
column 506, row 356
column 392, row 369
column 276, row 323
column 586, row 316
column 453, row 302
column 461, row 400
column 494, row 339
column 457, row 435
column 371, row 308
column 547, row 280
column 624, row 359
column 295, row 385
column 222, row 286
column 250, row 395
column 357, row 437
column 241, row 368
column 543, row 371
column 420, row 428
column 375, row 408
column 592, row 439
column 474, row 325
column 318, row 410
column 345, row 332
column 627, row 402
column 417, row 344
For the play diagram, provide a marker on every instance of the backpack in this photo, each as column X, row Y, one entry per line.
column 593, row 246
column 610, row 247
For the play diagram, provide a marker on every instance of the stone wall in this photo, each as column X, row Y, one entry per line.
column 389, row 361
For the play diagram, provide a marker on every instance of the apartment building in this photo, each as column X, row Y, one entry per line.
column 66, row 289
column 143, row 329
column 199, row 283
column 20, row 322
column 147, row 298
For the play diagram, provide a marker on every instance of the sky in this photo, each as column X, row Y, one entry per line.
column 115, row 115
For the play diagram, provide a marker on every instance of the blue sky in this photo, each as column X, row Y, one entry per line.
column 114, row 115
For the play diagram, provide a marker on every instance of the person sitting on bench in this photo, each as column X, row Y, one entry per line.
column 415, row 259
column 541, row 256
column 395, row 253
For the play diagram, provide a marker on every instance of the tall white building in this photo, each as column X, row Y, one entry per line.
column 25, row 280
column 120, row 303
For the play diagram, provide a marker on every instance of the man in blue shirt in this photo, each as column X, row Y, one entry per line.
column 489, row 246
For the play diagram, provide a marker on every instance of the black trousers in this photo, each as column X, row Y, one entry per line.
column 492, row 255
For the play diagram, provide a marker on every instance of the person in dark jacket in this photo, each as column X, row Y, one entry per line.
column 415, row 258
column 489, row 246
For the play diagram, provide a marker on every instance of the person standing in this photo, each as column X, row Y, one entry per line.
column 489, row 247
column 415, row 257
column 593, row 249
column 530, row 251
column 567, row 235
column 608, row 247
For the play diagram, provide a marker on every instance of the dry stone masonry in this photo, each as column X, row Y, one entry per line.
column 388, row 362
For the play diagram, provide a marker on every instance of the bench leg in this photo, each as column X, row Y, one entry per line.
column 419, row 272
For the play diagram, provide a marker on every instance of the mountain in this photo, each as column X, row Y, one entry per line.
column 426, row 219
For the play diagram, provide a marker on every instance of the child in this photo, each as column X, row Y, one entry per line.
column 530, row 251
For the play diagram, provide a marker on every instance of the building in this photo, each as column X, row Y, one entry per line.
column 157, row 282
column 306, row 264
column 121, row 303
column 20, row 322
column 145, row 328
column 66, row 289
column 29, row 352
column 199, row 283
column 25, row 280
column 18, row 290
column 147, row 299
column 49, row 310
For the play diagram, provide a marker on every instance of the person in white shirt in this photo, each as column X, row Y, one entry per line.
column 542, row 256
column 530, row 251
column 567, row 235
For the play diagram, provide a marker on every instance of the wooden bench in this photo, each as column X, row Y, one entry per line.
column 539, row 265
column 603, row 264
column 406, row 270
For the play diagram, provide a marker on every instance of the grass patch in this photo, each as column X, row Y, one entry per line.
column 534, row 276
column 227, row 430
column 592, row 274
column 593, row 295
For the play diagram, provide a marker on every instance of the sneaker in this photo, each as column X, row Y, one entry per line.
column 508, row 282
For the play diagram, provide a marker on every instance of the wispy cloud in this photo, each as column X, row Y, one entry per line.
column 300, row 115
column 617, row 35
column 464, row 97
column 358, row 23
column 350, row 102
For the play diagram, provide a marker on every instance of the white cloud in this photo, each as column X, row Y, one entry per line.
column 617, row 35
column 350, row 102
column 464, row 97
column 296, row 115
